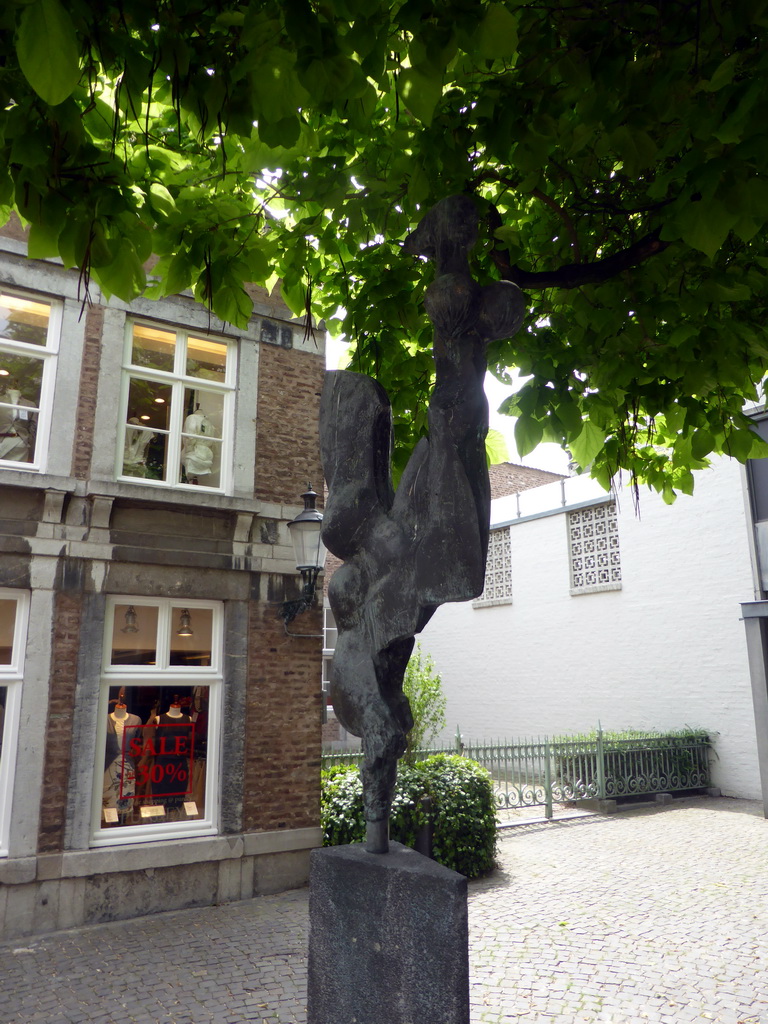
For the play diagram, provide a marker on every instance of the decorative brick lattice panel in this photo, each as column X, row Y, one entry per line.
column 498, row 571
column 593, row 537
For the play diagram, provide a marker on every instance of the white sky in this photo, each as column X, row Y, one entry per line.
column 546, row 456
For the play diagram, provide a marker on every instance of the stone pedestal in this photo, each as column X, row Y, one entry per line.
column 388, row 939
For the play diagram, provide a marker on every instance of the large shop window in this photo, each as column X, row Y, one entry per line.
column 178, row 394
column 29, row 339
column 13, row 631
column 159, row 721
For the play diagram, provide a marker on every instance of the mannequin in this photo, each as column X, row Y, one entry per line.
column 135, row 453
column 120, row 769
column 123, row 719
column 174, row 760
column 17, row 426
column 196, row 455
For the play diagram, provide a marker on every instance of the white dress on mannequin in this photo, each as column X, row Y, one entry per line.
column 136, row 443
column 17, row 427
column 196, row 455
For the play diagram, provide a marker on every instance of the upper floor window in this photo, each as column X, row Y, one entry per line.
column 178, row 395
column 29, row 338
column 498, row 570
column 593, row 541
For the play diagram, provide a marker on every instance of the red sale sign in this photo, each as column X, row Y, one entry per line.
column 160, row 757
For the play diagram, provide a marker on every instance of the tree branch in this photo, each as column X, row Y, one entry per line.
column 564, row 217
column 572, row 275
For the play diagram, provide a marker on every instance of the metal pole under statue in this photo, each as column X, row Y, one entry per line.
column 388, row 940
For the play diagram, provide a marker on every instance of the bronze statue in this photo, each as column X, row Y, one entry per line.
column 408, row 552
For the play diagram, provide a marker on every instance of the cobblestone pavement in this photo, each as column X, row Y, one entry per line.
column 656, row 914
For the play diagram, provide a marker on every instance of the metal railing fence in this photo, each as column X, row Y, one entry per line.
column 544, row 771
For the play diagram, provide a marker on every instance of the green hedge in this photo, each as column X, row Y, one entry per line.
column 462, row 812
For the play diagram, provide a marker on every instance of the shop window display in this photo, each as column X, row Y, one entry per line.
column 155, row 755
column 161, row 699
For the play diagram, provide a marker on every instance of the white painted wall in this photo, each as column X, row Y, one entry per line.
column 667, row 650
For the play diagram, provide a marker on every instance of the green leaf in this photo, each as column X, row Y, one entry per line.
column 528, row 433
column 685, row 482
column 674, row 417
column 569, row 415
column 161, row 200
column 73, row 241
column 496, row 35
column 124, row 276
column 496, row 449
column 702, row 443
column 419, row 185
column 281, row 133
column 180, row 273
column 332, row 78
column 587, row 446
column 259, row 267
column 724, row 74
column 276, row 90
column 47, row 50
column 233, row 305
column 43, row 239
column 739, row 444
column 294, row 295
column 420, row 92
column 705, row 226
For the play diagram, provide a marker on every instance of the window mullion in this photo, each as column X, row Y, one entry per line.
column 164, row 637
column 176, row 422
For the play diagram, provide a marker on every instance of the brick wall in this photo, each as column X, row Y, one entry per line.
column 61, row 701
column 509, row 478
column 89, row 381
column 13, row 229
column 283, row 721
column 287, row 426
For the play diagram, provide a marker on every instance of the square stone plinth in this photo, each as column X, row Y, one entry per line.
column 388, row 939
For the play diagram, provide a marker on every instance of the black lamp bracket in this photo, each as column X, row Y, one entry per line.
column 290, row 609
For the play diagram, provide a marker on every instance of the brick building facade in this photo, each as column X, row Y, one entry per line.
column 159, row 728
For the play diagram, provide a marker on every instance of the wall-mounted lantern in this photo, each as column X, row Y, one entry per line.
column 310, row 554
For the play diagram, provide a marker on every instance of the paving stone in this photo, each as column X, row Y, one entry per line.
column 657, row 916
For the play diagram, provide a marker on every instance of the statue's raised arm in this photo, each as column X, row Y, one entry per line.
column 408, row 552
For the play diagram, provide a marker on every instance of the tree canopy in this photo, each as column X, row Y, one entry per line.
column 616, row 151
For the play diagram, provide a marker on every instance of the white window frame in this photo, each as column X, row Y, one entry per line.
column 48, row 356
column 12, row 678
column 498, row 570
column 162, row 674
column 612, row 532
column 178, row 380
column 330, row 636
